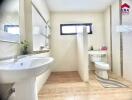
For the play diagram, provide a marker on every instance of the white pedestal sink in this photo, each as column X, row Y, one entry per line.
column 23, row 74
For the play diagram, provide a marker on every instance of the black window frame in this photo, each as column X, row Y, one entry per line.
column 82, row 24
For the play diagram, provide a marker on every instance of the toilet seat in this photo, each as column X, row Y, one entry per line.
column 102, row 65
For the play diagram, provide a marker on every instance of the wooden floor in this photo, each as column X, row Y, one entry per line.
column 68, row 86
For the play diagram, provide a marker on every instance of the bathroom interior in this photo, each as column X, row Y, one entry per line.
column 65, row 50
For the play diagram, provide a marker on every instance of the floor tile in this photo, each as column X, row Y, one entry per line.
column 69, row 86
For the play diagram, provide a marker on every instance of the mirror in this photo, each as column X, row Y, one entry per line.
column 40, row 30
column 9, row 21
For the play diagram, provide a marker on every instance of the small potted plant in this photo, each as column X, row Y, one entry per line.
column 24, row 47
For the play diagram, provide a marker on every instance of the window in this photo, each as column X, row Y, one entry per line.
column 13, row 29
column 73, row 29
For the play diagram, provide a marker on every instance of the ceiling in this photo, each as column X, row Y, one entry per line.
column 78, row 5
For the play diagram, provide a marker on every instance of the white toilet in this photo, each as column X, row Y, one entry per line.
column 101, row 68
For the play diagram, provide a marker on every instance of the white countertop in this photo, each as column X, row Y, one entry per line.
column 97, row 52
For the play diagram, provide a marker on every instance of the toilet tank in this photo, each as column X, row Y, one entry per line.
column 98, row 56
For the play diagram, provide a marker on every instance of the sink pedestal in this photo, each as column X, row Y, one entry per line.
column 26, row 90
column 23, row 74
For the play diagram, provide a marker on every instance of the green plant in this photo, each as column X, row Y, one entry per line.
column 24, row 47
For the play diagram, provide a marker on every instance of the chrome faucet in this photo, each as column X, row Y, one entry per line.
column 15, row 58
column 41, row 47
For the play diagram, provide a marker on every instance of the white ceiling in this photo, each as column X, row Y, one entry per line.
column 78, row 5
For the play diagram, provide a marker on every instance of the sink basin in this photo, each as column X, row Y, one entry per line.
column 23, row 73
column 11, row 72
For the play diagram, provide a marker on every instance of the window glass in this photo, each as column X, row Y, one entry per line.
column 13, row 29
column 88, row 29
column 68, row 29
column 79, row 28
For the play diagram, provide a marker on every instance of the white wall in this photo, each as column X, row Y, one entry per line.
column 82, row 48
column 64, row 48
column 127, row 47
column 116, row 38
column 8, row 49
column 107, row 28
